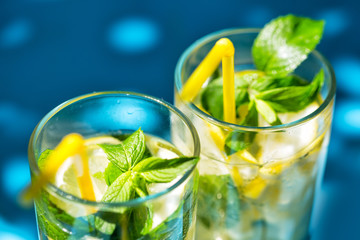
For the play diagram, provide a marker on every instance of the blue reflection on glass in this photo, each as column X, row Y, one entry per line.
column 347, row 71
column 15, row 175
column 337, row 20
column 134, row 35
column 16, row 33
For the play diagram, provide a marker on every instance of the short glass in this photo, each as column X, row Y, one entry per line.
column 61, row 215
column 272, row 197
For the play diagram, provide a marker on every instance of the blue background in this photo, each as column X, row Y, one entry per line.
column 54, row 50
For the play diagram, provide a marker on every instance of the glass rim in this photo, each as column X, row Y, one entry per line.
column 232, row 31
column 133, row 202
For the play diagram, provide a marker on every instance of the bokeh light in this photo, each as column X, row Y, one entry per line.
column 10, row 231
column 347, row 119
column 16, row 33
column 134, row 35
column 337, row 21
column 15, row 175
column 347, row 70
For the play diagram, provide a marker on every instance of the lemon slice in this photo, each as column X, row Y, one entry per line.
column 255, row 188
column 98, row 161
column 66, row 177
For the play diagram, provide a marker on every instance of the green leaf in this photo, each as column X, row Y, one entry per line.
column 141, row 218
column 49, row 216
column 105, row 226
column 157, row 170
column 56, row 223
column 212, row 96
column 295, row 98
column 209, row 206
column 43, row 157
column 251, row 118
column 112, row 172
column 240, row 140
column 126, row 154
column 284, row 43
column 121, row 190
column 99, row 175
column 176, row 226
column 267, row 112
column 268, row 82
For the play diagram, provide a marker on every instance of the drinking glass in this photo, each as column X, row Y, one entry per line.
column 62, row 215
column 267, row 193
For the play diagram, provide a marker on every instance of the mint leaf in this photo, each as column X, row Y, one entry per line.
column 126, row 154
column 42, row 159
column 251, row 118
column 103, row 225
column 209, row 207
column 99, row 175
column 240, row 140
column 295, row 98
column 284, row 43
column 212, row 96
column 112, row 172
column 57, row 224
column 158, row 170
column 48, row 215
column 267, row 112
column 134, row 147
column 116, row 155
column 176, row 226
column 267, row 82
column 140, row 222
column 121, row 190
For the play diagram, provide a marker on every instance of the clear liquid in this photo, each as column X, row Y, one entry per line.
column 172, row 214
column 270, row 198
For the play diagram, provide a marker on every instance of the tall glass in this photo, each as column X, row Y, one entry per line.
column 61, row 215
column 272, row 195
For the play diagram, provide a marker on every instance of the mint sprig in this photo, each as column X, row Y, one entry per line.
column 284, row 43
column 129, row 172
column 128, row 153
column 280, row 47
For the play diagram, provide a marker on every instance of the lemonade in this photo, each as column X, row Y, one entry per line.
column 140, row 155
column 59, row 219
column 267, row 197
column 259, row 174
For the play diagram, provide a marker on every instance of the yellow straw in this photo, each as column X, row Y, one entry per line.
column 70, row 145
column 83, row 177
column 228, row 82
column 222, row 51
column 223, row 48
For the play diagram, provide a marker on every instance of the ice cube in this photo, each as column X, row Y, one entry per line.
column 286, row 144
